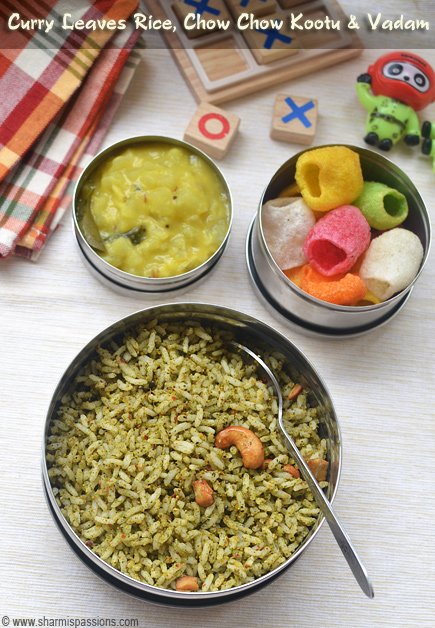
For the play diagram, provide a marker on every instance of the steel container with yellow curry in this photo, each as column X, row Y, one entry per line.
column 152, row 215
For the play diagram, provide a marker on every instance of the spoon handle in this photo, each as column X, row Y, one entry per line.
column 345, row 544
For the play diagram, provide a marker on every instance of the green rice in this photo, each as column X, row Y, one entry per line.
column 139, row 427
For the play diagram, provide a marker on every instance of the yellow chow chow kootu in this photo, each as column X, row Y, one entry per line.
column 154, row 210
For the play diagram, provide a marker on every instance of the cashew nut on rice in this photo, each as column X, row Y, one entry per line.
column 203, row 493
column 297, row 388
column 287, row 467
column 248, row 444
column 318, row 468
column 292, row 470
column 187, row 583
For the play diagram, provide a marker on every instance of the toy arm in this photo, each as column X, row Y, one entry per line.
column 367, row 99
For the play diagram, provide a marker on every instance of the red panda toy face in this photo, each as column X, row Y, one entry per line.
column 405, row 77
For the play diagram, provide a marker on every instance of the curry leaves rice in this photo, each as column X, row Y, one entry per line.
column 139, row 429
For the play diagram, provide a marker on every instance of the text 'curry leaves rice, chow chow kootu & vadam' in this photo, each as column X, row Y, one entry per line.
column 166, row 460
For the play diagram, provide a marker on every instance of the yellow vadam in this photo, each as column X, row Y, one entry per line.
column 154, row 210
column 329, row 177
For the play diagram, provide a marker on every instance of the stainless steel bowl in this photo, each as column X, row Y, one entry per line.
column 125, row 283
column 299, row 309
column 254, row 334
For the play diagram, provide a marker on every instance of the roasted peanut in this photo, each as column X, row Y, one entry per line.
column 187, row 583
column 203, row 493
column 287, row 467
column 295, row 391
column 292, row 470
column 249, row 445
column 318, row 468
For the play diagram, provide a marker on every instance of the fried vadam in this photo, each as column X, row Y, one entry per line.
column 356, row 252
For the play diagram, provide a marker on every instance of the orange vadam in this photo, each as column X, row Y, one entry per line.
column 343, row 289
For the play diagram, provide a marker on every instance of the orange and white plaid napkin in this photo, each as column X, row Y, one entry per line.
column 56, row 105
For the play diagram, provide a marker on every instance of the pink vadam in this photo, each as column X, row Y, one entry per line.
column 337, row 240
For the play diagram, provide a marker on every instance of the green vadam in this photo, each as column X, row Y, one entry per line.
column 383, row 207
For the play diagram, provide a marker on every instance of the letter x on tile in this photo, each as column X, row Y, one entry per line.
column 244, row 3
column 201, row 6
column 273, row 35
column 298, row 112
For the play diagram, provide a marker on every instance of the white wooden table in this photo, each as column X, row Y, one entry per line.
column 382, row 385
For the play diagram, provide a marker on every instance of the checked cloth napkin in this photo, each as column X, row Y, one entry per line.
column 60, row 91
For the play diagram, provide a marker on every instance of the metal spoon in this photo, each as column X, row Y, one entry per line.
column 340, row 535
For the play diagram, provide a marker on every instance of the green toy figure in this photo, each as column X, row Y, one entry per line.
column 393, row 89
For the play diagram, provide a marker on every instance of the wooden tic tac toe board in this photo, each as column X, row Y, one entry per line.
column 222, row 65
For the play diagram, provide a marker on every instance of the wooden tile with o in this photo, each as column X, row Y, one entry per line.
column 212, row 130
